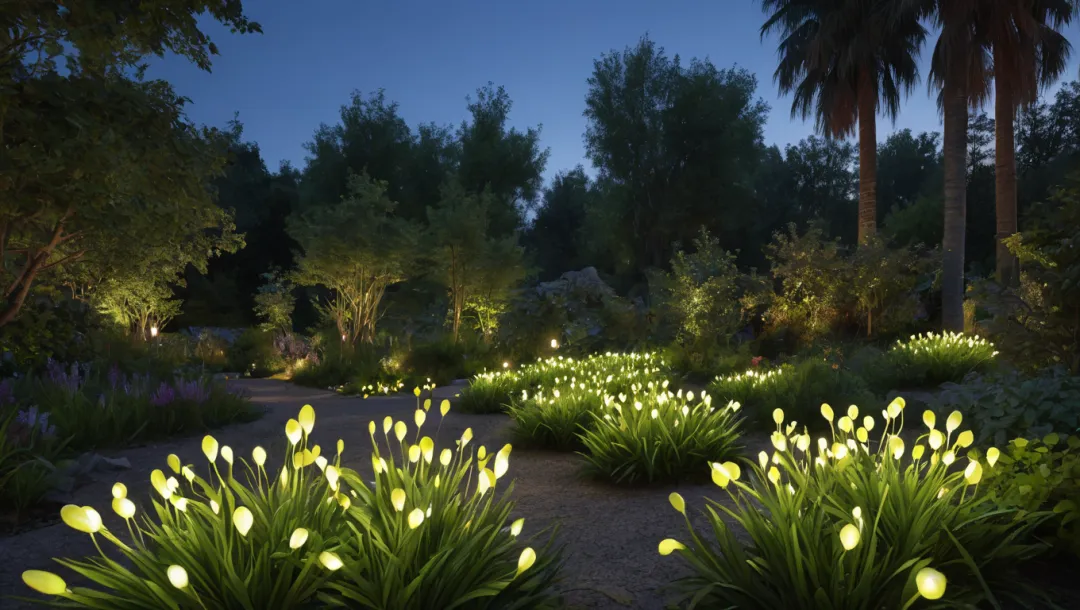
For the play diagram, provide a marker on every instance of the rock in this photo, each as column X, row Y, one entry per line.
column 70, row 475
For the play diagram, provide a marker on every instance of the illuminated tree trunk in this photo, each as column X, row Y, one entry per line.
column 954, row 149
column 1007, row 265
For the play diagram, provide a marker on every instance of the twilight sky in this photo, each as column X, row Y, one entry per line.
column 430, row 55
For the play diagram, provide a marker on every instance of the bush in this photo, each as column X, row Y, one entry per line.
column 555, row 421
column 1011, row 406
column 932, row 359
column 255, row 353
column 656, row 435
column 1042, row 475
column 796, row 389
column 28, row 445
column 853, row 527
column 337, row 363
column 489, row 392
column 427, row 534
column 443, row 361
column 91, row 410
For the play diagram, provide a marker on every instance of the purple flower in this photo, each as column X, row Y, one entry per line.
column 115, row 376
column 163, row 396
column 194, row 390
column 34, row 421
column 69, row 380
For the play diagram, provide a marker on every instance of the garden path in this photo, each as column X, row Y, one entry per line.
column 611, row 534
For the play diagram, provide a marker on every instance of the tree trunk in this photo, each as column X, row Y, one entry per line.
column 867, row 156
column 1008, row 267
column 954, row 149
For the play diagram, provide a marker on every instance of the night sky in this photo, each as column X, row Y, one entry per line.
column 429, row 56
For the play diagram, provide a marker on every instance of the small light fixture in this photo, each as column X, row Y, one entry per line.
column 343, row 337
column 554, row 344
column 153, row 331
column 506, row 365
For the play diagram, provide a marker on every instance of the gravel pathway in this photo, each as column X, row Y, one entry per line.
column 610, row 533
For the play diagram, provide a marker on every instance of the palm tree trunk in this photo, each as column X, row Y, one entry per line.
column 1008, row 267
column 954, row 149
column 867, row 156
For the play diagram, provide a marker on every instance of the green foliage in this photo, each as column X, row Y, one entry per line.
column 797, row 389
column 274, row 303
column 1042, row 475
column 1011, row 406
column 930, row 359
column 305, row 535
column 696, row 129
column 45, row 329
column 26, row 455
column 706, row 292
column 811, row 272
column 355, row 248
column 885, row 284
column 658, row 435
column 338, row 364
column 444, row 360
column 555, row 421
column 1036, row 325
column 489, row 393
column 855, row 526
column 254, row 352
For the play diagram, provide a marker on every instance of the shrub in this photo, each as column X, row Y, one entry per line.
column 28, row 445
column 931, row 359
column 1011, row 406
column 796, row 389
column 338, row 363
column 656, row 435
column 554, row 421
column 489, row 392
column 853, row 526
column 255, row 353
column 1042, row 474
column 812, row 274
column 426, row 534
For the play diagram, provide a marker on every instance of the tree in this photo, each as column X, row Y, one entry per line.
column 821, row 185
column 355, row 248
column 845, row 61
column 274, row 302
column 477, row 267
column 673, row 146
column 705, row 294
column 1028, row 52
column 88, row 146
column 85, row 157
column 909, row 167
column 507, row 163
column 959, row 69
column 555, row 235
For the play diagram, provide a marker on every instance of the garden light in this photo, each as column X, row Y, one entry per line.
column 554, row 344
column 153, row 331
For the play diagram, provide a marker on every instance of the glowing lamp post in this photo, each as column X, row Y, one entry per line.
column 153, row 332
column 554, row 344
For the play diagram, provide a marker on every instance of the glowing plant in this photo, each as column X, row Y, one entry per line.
column 554, row 420
column 845, row 521
column 932, row 358
column 654, row 434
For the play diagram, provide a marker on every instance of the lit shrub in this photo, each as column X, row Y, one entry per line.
column 931, row 359
column 793, row 388
column 489, row 392
column 433, row 533
column 853, row 523
column 1042, row 474
column 554, row 420
column 655, row 435
column 217, row 542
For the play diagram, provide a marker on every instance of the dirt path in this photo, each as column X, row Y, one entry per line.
column 611, row 534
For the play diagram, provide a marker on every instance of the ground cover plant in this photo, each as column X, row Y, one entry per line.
column 794, row 388
column 491, row 392
column 847, row 522
column 653, row 434
column 430, row 531
column 930, row 359
column 556, row 419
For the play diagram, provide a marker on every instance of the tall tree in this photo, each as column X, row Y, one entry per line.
column 1028, row 52
column 507, row 163
column 81, row 144
column 959, row 70
column 674, row 146
column 555, row 235
column 846, row 61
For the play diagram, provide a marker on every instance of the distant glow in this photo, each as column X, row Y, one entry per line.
column 554, row 344
column 153, row 331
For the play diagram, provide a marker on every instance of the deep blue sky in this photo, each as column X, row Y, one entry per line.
column 430, row 55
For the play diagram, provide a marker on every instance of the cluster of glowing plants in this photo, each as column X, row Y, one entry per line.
column 654, row 434
column 849, row 521
column 934, row 358
column 492, row 392
column 428, row 532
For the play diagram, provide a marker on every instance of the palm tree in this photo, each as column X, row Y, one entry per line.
column 1028, row 52
column 846, row 60
column 960, row 71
